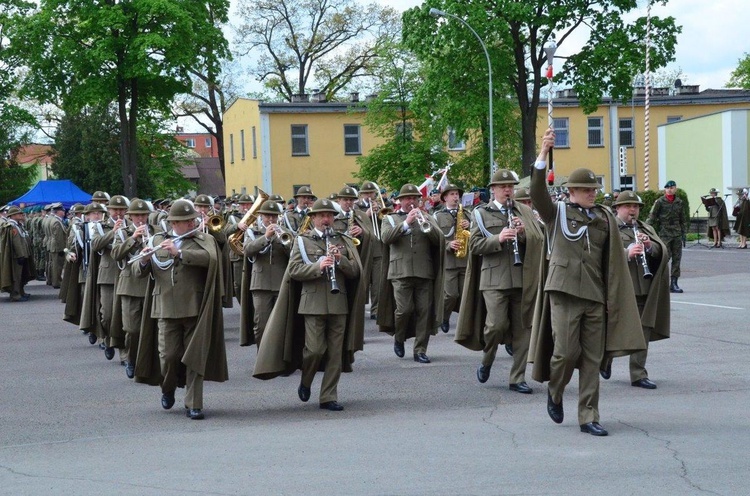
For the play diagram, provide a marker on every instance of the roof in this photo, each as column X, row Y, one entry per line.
column 51, row 191
column 708, row 96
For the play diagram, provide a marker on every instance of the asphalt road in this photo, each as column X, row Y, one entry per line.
column 72, row 423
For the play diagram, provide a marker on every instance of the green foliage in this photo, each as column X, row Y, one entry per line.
column 740, row 77
column 86, row 151
column 398, row 162
column 15, row 180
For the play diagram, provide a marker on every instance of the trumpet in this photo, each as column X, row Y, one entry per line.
column 283, row 237
column 424, row 224
column 642, row 257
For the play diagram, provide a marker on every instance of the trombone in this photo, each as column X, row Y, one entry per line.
column 378, row 212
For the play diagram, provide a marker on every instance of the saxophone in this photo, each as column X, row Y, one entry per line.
column 462, row 235
column 349, row 225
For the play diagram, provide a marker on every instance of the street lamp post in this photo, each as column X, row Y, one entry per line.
column 439, row 13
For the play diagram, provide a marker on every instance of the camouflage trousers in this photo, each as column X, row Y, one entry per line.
column 40, row 259
column 674, row 248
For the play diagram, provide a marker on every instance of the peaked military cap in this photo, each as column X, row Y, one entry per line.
column 323, row 205
column 628, row 197
column 138, row 206
column 368, row 187
column 504, row 176
column 408, row 190
column 304, row 191
column 118, row 201
column 582, row 178
column 182, row 210
column 348, row 192
column 451, row 187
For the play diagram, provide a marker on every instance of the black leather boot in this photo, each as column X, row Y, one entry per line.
column 674, row 288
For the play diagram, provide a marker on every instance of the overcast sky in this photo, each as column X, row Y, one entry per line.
column 709, row 46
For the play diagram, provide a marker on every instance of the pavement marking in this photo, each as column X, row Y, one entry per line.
column 707, row 305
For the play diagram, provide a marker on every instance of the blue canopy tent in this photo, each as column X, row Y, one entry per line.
column 52, row 191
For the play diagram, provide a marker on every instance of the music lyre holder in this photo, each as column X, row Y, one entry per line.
column 693, row 220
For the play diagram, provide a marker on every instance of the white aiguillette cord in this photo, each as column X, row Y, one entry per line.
column 562, row 222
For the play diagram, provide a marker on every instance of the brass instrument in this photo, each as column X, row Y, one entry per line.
column 236, row 239
column 642, row 257
column 329, row 253
column 378, row 212
column 511, row 225
column 349, row 226
column 462, row 235
column 283, row 237
column 215, row 223
column 424, row 224
column 305, row 225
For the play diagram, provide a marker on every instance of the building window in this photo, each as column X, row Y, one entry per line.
column 453, row 142
column 208, row 142
column 627, row 183
column 562, row 132
column 190, row 142
column 596, row 131
column 404, row 131
column 673, row 118
column 255, row 144
column 626, row 132
column 231, row 148
column 242, row 144
column 600, row 180
column 299, row 139
column 352, row 140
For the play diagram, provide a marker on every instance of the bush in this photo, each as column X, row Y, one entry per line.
column 649, row 197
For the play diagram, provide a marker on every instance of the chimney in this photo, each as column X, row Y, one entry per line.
column 300, row 98
column 318, row 96
column 354, row 96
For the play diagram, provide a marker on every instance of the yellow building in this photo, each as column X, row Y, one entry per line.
column 594, row 141
column 279, row 147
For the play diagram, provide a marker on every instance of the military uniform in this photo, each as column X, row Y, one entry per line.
column 414, row 266
column 454, row 268
column 668, row 218
column 56, row 244
column 587, row 274
column 16, row 262
column 186, row 302
column 325, row 312
column 651, row 294
column 232, row 219
column 376, row 252
column 268, row 260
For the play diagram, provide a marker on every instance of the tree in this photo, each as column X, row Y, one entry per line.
column 323, row 43
column 740, row 77
column 15, row 122
column 85, row 151
column 410, row 149
column 516, row 31
column 132, row 53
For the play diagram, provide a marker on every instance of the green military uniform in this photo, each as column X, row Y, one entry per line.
column 500, row 298
column 266, row 261
column 587, row 275
column 414, row 272
column 186, row 303
column 651, row 294
column 56, row 244
column 375, row 270
column 16, row 261
column 232, row 219
column 668, row 218
column 454, row 267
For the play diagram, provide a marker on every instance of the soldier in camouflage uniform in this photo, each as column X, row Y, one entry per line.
column 668, row 218
column 37, row 240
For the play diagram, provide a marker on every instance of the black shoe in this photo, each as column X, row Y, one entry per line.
column 483, row 373
column 373, row 317
column 673, row 287
column 445, row 326
column 194, row 414
column 167, row 400
column 398, row 349
column 606, row 373
column 421, row 358
column 332, row 406
column 644, row 383
column 555, row 411
column 509, row 349
column 594, row 428
column 92, row 338
column 102, row 346
column 129, row 370
column 521, row 387
column 303, row 392
column 109, row 353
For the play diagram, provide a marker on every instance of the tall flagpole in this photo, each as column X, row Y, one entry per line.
column 647, row 101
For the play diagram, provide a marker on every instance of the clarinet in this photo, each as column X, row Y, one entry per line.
column 332, row 269
column 516, row 254
column 642, row 257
